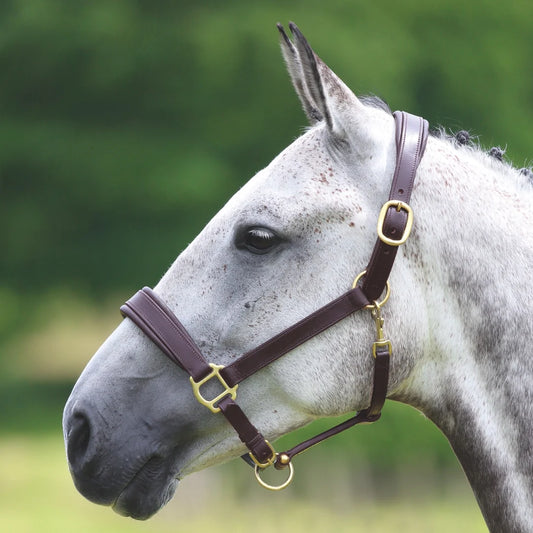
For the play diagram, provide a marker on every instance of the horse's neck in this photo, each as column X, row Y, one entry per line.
column 475, row 380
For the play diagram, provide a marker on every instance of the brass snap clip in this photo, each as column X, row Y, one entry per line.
column 381, row 341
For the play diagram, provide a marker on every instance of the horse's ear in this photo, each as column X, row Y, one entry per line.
column 324, row 96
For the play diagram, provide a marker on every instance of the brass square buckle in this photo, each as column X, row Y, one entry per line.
column 382, row 343
column 408, row 226
column 228, row 391
column 268, row 462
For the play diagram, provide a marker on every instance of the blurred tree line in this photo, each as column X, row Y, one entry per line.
column 125, row 125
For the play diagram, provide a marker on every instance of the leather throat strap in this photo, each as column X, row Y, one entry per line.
column 163, row 328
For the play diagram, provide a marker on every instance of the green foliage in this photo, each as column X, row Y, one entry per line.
column 133, row 121
column 32, row 408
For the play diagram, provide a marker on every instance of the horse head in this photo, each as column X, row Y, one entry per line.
column 291, row 240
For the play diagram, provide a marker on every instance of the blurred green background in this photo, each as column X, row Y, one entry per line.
column 134, row 121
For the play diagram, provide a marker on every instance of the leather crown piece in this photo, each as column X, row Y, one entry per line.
column 160, row 324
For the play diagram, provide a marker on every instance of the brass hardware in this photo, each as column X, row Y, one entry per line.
column 265, row 485
column 269, row 462
column 379, row 344
column 408, row 226
column 385, row 298
column 378, row 319
column 381, row 341
column 284, row 460
column 211, row 404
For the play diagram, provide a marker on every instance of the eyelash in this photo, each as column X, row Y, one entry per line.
column 258, row 240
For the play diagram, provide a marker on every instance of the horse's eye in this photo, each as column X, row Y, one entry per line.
column 258, row 240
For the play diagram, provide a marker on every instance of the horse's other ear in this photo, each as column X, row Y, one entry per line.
column 324, row 96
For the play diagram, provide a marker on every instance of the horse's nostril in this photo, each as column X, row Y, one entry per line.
column 78, row 438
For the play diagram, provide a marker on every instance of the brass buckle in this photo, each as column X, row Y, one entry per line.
column 408, row 226
column 267, row 463
column 381, row 344
column 211, row 404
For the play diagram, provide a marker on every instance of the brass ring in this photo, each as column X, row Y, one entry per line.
column 376, row 303
column 265, row 485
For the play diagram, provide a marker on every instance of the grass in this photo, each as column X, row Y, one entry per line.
column 37, row 495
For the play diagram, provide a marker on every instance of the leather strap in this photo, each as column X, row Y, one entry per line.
column 293, row 336
column 158, row 322
column 381, row 382
column 361, row 417
column 411, row 139
column 248, row 433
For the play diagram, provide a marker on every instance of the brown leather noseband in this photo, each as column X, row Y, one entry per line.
column 159, row 323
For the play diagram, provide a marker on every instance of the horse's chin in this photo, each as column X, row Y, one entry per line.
column 145, row 494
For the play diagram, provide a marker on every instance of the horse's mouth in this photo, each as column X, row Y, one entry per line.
column 149, row 490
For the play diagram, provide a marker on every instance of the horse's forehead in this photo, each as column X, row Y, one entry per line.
column 301, row 175
column 303, row 160
column 306, row 180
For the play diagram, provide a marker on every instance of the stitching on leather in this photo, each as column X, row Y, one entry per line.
column 162, row 313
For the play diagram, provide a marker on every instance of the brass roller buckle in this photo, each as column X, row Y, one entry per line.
column 400, row 206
